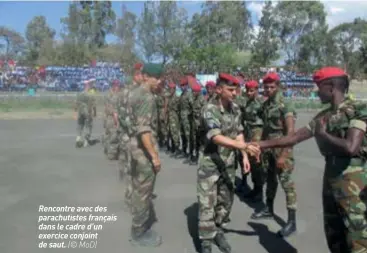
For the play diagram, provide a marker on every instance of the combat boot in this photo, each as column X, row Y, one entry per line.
column 194, row 160
column 206, row 246
column 188, row 159
column 183, row 154
column 290, row 227
column 149, row 239
column 266, row 213
column 176, row 154
column 78, row 142
column 221, row 241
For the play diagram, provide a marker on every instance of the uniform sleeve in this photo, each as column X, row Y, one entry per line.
column 212, row 122
column 360, row 118
column 143, row 113
column 288, row 110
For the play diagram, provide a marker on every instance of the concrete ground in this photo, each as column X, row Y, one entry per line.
column 40, row 166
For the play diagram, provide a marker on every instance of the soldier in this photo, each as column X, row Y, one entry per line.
column 161, row 100
column 185, row 109
column 253, row 125
column 85, row 109
column 340, row 133
column 223, row 135
column 210, row 89
column 173, row 120
column 198, row 104
column 279, row 120
column 111, row 136
column 145, row 159
column 125, row 125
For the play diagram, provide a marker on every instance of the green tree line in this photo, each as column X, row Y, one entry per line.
column 221, row 37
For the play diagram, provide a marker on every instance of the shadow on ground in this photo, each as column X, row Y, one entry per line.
column 191, row 213
column 269, row 240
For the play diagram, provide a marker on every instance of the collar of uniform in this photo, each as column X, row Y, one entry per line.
column 221, row 108
column 276, row 98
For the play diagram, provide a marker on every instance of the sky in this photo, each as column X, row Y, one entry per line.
column 17, row 14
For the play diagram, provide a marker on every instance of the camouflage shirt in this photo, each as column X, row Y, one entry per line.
column 186, row 102
column 349, row 114
column 252, row 113
column 197, row 106
column 274, row 112
column 141, row 109
column 173, row 105
column 85, row 103
column 110, row 103
column 216, row 120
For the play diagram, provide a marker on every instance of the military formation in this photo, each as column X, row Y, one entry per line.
column 229, row 129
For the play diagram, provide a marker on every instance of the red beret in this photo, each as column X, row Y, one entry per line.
column 229, row 79
column 172, row 85
column 138, row 66
column 210, row 84
column 328, row 72
column 196, row 87
column 271, row 77
column 183, row 81
column 252, row 84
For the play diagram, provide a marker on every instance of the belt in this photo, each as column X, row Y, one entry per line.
column 351, row 161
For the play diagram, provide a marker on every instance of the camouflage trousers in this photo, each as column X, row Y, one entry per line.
column 195, row 136
column 162, row 130
column 125, row 168
column 174, row 129
column 214, row 199
column 273, row 173
column 143, row 181
column 344, row 205
column 85, row 125
column 111, row 138
column 185, row 131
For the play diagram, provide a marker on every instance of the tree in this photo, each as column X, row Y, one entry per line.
column 294, row 20
column 13, row 42
column 37, row 34
column 266, row 46
column 126, row 32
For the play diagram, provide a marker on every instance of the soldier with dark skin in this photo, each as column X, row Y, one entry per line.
column 185, row 108
column 222, row 134
column 340, row 133
column 279, row 120
column 173, row 120
column 253, row 125
column 198, row 103
column 210, row 90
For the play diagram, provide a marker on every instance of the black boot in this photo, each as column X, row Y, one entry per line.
column 206, row 246
column 183, row 154
column 266, row 213
column 221, row 241
column 290, row 227
column 194, row 160
column 188, row 159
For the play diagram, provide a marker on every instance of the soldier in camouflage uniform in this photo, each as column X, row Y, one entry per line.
column 185, row 104
column 144, row 155
column 86, row 109
column 161, row 100
column 210, row 90
column 222, row 131
column 111, row 137
column 279, row 120
column 126, row 132
column 340, row 133
column 253, row 125
column 173, row 120
column 197, row 105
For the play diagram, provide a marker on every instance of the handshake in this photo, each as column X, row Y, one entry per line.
column 252, row 149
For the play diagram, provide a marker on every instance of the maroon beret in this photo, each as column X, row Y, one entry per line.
column 271, row 77
column 252, row 84
column 228, row 79
column 326, row 73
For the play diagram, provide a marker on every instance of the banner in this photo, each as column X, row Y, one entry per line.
column 205, row 78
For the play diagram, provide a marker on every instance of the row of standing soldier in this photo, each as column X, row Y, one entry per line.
column 340, row 135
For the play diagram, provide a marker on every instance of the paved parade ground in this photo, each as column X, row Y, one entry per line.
column 41, row 166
